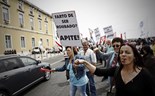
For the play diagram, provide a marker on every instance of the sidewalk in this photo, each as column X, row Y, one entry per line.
column 41, row 56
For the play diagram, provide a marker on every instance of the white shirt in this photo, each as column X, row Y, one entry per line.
column 89, row 56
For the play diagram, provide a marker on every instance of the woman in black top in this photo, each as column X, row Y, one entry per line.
column 131, row 79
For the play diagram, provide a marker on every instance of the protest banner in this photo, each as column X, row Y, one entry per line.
column 67, row 28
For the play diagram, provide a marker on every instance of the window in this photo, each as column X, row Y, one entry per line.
column 5, row 1
column 12, row 63
column 40, row 27
column 8, row 41
column 31, row 23
column 39, row 15
column 21, row 19
column 5, row 11
column 28, row 61
column 41, row 41
column 2, row 67
column 23, row 42
column 20, row 5
column 31, row 10
column 33, row 42
column 48, row 42
column 46, row 19
column 46, row 26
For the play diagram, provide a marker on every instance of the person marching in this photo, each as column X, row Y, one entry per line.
column 77, row 74
column 90, row 56
column 132, row 78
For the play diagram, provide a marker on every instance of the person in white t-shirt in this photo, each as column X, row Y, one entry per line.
column 89, row 56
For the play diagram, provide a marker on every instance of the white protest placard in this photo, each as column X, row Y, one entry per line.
column 67, row 28
column 97, row 34
column 108, row 31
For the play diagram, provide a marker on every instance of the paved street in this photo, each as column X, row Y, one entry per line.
column 58, row 85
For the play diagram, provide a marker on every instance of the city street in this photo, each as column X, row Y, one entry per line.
column 37, row 35
column 58, row 85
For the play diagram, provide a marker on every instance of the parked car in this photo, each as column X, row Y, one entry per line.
column 38, row 50
column 56, row 49
column 49, row 50
column 18, row 73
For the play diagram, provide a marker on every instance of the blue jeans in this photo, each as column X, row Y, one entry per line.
column 82, row 90
column 91, row 85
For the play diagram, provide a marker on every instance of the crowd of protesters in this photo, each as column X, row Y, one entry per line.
column 109, row 51
column 134, row 61
column 131, row 78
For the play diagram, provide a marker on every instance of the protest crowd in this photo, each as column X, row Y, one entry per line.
column 129, row 67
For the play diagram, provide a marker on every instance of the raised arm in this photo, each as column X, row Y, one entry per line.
column 90, row 67
column 94, row 70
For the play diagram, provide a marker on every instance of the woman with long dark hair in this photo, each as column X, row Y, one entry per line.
column 132, row 78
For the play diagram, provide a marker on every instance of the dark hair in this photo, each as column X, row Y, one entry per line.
column 75, row 50
column 117, row 39
column 72, row 48
column 148, row 49
column 138, row 62
column 68, row 47
column 143, row 41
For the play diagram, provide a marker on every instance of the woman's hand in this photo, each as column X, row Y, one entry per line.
column 46, row 70
column 96, row 50
column 90, row 66
column 79, row 61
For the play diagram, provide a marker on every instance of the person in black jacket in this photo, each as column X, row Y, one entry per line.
column 132, row 78
column 149, row 59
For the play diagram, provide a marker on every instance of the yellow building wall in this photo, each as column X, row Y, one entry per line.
column 15, row 31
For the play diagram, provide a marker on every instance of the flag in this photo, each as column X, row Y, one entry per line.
column 121, row 36
column 90, row 32
column 124, row 35
column 81, row 35
column 58, row 43
column 102, row 39
column 114, row 34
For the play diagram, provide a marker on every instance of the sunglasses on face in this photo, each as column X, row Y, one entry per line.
column 116, row 46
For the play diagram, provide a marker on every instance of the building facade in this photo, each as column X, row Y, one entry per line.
column 24, row 26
